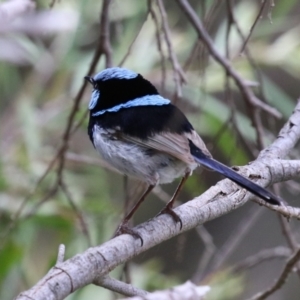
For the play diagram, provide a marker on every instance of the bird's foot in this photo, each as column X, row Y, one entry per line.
column 123, row 228
column 169, row 210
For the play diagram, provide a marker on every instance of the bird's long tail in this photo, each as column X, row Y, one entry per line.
column 249, row 185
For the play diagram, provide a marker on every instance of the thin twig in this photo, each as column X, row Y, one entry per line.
column 253, row 64
column 288, row 234
column 261, row 256
column 191, row 57
column 17, row 217
column 159, row 46
column 119, row 287
column 248, row 94
column 125, row 272
column 80, row 122
column 254, row 114
column 179, row 76
column 210, row 249
column 103, row 48
column 19, row 211
column 77, row 211
column 42, row 201
column 257, row 122
column 61, row 254
column 254, row 24
column 236, row 237
column 121, row 63
column 281, row 279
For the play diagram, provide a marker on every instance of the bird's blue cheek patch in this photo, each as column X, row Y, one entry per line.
column 94, row 99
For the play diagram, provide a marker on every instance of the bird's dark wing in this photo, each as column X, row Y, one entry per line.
column 145, row 121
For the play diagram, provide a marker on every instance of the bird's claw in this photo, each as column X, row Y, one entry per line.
column 168, row 210
column 125, row 229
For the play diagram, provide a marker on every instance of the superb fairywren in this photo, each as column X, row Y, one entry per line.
column 145, row 136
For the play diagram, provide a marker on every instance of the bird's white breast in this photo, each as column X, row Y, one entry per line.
column 135, row 161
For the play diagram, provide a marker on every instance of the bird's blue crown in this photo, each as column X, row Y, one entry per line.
column 115, row 73
column 119, row 88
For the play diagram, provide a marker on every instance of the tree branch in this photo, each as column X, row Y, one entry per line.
column 186, row 291
column 281, row 279
column 119, row 287
column 240, row 82
column 261, row 256
column 96, row 262
column 179, row 76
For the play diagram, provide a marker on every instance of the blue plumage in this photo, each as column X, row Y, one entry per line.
column 117, row 88
column 94, row 99
column 143, row 135
column 149, row 100
column 115, row 73
column 146, row 98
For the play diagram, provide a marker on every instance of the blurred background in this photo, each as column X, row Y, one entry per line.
column 47, row 47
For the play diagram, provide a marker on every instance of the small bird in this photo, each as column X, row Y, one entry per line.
column 145, row 136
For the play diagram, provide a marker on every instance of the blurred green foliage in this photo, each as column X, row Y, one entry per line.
column 41, row 71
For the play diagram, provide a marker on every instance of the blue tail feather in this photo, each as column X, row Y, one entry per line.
column 242, row 181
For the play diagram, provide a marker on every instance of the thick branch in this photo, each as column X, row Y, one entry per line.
column 64, row 278
column 98, row 261
column 287, row 138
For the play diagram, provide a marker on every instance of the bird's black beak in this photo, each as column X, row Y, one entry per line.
column 89, row 79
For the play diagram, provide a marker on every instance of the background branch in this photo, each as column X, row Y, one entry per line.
column 55, row 189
